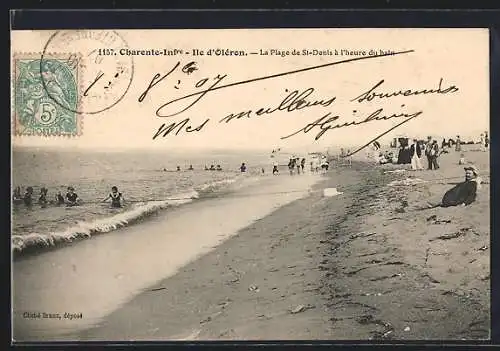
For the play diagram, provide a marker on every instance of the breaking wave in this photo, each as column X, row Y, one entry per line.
column 34, row 242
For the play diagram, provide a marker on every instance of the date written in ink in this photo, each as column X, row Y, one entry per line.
column 45, row 315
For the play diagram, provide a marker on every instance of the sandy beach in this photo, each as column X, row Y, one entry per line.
column 362, row 265
column 186, row 183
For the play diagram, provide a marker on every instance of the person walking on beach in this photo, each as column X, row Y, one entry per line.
column 116, row 197
column 434, row 154
column 243, row 167
column 428, row 148
column 458, row 144
column 302, row 164
column 484, row 141
column 416, row 154
column 420, row 143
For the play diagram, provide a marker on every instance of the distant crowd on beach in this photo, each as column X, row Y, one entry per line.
column 414, row 153
column 297, row 165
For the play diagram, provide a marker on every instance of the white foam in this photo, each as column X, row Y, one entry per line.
column 328, row 192
column 86, row 229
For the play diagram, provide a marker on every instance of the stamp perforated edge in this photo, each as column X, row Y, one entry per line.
column 14, row 75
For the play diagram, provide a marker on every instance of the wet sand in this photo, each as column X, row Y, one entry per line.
column 362, row 265
column 96, row 276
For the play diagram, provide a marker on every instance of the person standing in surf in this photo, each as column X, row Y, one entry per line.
column 116, row 197
column 291, row 165
column 42, row 200
column 275, row 168
column 302, row 164
column 71, row 197
column 243, row 167
column 28, row 196
column 17, row 197
column 59, row 199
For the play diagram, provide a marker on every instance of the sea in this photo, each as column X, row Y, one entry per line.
column 90, row 259
column 149, row 182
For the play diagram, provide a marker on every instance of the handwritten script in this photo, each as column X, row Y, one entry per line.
column 292, row 101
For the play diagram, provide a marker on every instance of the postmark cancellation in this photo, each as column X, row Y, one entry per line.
column 46, row 94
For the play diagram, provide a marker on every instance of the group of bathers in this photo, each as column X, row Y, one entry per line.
column 70, row 199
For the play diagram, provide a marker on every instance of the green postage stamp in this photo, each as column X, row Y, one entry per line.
column 46, row 95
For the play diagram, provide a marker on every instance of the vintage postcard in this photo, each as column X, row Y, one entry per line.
column 263, row 184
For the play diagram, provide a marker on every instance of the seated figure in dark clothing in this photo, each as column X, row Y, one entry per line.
column 463, row 193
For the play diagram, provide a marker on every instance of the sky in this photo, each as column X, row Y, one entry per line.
column 129, row 124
